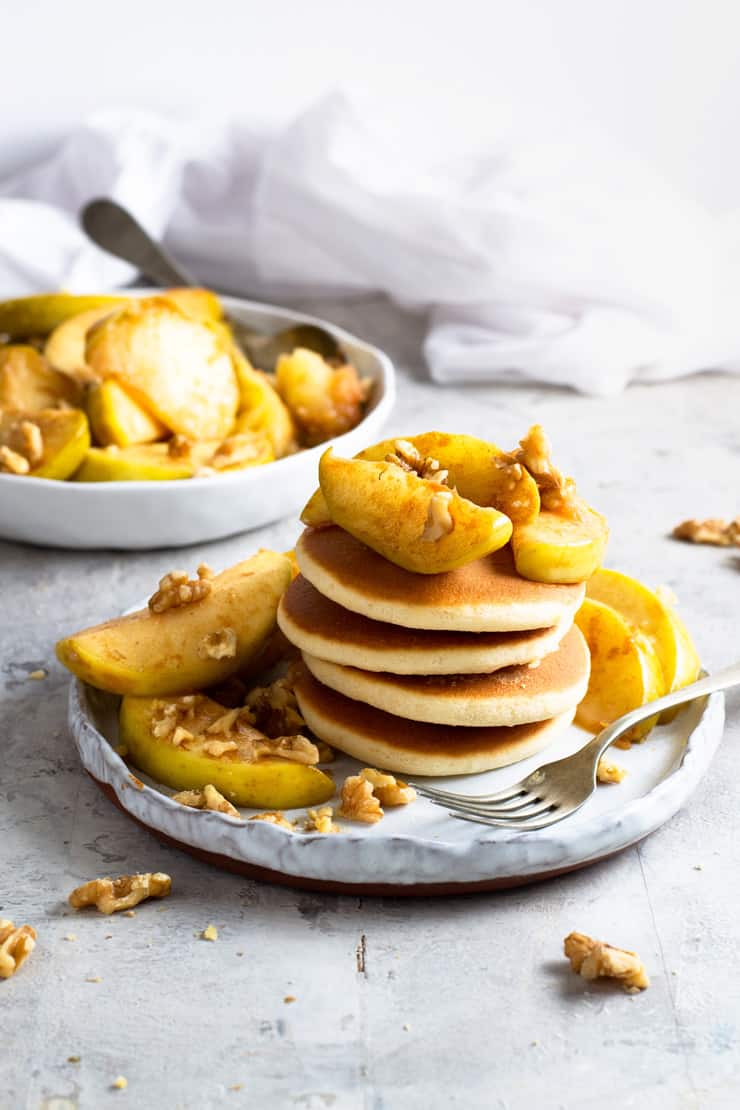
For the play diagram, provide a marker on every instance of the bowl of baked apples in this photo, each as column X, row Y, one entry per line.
column 161, row 418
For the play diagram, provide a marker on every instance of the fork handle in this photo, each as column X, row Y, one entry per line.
column 710, row 684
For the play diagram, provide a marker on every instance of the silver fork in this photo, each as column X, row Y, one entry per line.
column 555, row 790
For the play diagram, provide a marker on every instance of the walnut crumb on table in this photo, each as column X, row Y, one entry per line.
column 594, row 959
column 120, row 1083
column 16, row 945
column 209, row 933
column 111, row 895
column 715, row 531
column 37, row 676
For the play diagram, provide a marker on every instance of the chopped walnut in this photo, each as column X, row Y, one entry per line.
column 176, row 589
column 594, row 959
column 217, row 748
column 557, row 493
column 275, row 818
column 11, row 462
column 207, row 798
column 359, row 802
column 111, row 895
column 218, row 645
column 439, row 520
column 274, row 707
column 720, row 533
column 409, row 458
column 32, row 441
column 389, row 790
column 179, row 447
column 236, row 451
column 209, row 933
column 16, row 945
column 297, row 749
column 608, row 771
column 321, row 821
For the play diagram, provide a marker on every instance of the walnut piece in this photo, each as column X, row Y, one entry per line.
column 321, row 820
column 557, row 493
column 16, row 945
column 296, row 749
column 720, row 533
column 11, row 462
column 594, row 959
column 236, row 451
column 218, row 645
column 389, row 790
column 176, row 589
column 274, row 818
column 207, row 798
column 359, row 802
column 275, row 708
column 111, row 895
column 179, row 447
column 608, row 771
column 409, row 458
column 439, row 520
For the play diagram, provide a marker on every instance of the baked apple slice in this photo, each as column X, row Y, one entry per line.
column 560, row 548
column 29, row 384
column 625, row 670
column 116, row 419
column 143, row 462
column 262, row 410
column 420, row 524
column 187, row 646
column 42, row 312
column 235, row 759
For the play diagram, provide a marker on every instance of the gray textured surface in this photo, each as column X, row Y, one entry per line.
column 399, row 1004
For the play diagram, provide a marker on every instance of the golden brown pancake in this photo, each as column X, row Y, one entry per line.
column 382, row 740
column 484, row 596
column 513, row 696
column 321, row 627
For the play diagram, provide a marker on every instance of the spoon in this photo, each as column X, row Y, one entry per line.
column 112, row 227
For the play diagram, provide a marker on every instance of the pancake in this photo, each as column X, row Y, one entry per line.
column 484, row 596
column 514, row 696
column 321, row 627
column 382, row 740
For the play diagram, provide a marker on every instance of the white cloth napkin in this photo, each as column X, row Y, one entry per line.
column 568, row 263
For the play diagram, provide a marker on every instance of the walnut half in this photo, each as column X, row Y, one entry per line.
column 594, row 959
column 111, row 895
column 720, row 533
column 176, row 589
column 16, row 945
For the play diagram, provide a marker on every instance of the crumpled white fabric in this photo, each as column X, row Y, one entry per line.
column 570, row 264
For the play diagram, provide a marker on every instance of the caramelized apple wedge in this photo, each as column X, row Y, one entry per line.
column 419, row 524
column 142, row 462
column 325, row 400
column 559, row 548
column 625, row 669
column 478, row 470
column 117, row 419
column 181, row 369
column 42, row 312
column 28, row 383
column 262, row 410
column 65, row 347
column 54, row 450
column 266, row 783
column 174, row 651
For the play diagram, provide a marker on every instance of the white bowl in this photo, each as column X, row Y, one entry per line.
column 141, row 515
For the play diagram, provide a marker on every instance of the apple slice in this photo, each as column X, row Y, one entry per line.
column 65, row 347
column 29, row 384
column 165, row 653
column 625, row 670
column 41, row 313
column 261, row 409
column 418, row 524
column 143, row 462
column 558, row 548
column 64, row 434
column 266, row 783
column 117, row 419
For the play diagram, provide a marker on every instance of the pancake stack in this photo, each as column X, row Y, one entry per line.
column 440, row 674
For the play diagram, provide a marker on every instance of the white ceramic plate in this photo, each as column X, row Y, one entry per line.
column 418, row 849
column 144, row 515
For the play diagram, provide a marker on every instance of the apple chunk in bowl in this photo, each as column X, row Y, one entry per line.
column 137, row 515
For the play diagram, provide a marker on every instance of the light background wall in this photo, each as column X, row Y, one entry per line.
column 663, row 76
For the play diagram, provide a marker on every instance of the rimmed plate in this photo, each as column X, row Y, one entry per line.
column 145, row 515
column 417, row 849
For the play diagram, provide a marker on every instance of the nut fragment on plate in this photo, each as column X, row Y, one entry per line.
column 409, row 458
column 111, row 895
column 321, row 821
column 207, row 798
column 358, row 801
column 608, row 771
column 16, row 945
column 389, row 790
column 274, row 818
column 176, row 589
column 720, row 533
column 594, row 959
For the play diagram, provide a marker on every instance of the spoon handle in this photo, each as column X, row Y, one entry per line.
column 115, row 230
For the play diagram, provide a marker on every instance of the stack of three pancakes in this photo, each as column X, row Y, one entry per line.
column 440, row 674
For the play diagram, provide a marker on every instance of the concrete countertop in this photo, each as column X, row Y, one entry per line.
column 398, row 1004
